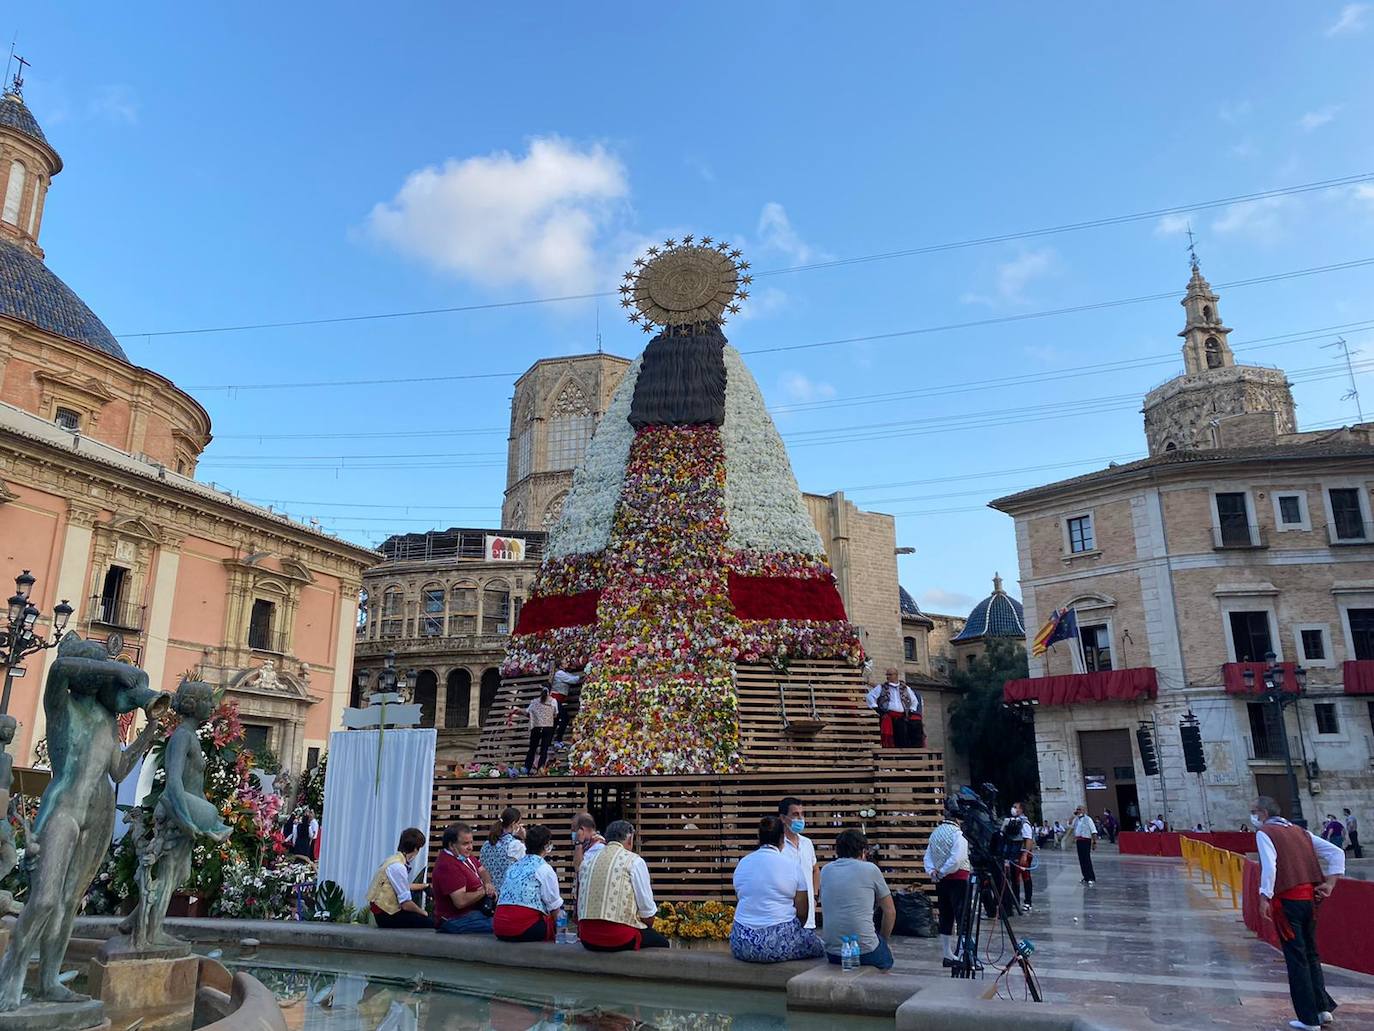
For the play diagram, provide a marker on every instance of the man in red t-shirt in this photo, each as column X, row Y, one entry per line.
column 461, row 886
column 1298, row 869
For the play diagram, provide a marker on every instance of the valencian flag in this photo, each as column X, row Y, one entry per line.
column 1062, row 626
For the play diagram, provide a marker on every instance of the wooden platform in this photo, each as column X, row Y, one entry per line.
column 693, row 829
column 811, row 718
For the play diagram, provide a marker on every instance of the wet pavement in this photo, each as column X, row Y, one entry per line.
column 1146, row 935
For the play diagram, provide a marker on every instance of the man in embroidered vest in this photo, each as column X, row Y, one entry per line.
column 614, row 902
column 389, row 895
column 1299, row 869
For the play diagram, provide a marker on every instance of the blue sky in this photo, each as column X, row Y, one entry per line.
column 252, row 164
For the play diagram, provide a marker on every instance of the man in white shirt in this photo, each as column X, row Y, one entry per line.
column 1084, row 833
column 901, row 710
column 564, row 680
column 1299, row 869
column 799, row 846
column 615, row 904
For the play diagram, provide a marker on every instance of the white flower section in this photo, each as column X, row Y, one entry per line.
column 585, row 525
column 763, row 503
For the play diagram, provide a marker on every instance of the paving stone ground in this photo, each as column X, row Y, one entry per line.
column 1147, row 935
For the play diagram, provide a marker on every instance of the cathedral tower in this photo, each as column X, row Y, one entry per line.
column 1188, row 411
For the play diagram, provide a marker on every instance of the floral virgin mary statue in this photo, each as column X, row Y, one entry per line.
column 684, row 546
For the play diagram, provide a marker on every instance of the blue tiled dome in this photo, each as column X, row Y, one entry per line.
column 15, row 114
column 997, row 615
column 907, row 603
column 29, row 292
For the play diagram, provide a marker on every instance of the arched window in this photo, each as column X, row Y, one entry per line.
column 362, row 609
column 393, row 612
column 426, row 695
column 524, row 437
column 459, row 700
column 570, row 427
column 496, row 608
column 432, row 610
column 14, row 193
column 1170, row 446
column 462, row 608
column 1207, row 314
column 491, row 684
column 33, row 211
column 909, row 649
column 553, row 510
column 1213, row 353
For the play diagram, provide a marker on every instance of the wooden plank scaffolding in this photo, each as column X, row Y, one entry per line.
column 804, row 732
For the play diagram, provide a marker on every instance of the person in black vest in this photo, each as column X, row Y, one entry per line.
column 303, row 834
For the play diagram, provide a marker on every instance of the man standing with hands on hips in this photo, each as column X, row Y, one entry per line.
column 1084, row 833
column 1298, row 869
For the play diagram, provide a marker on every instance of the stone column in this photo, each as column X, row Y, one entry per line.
column 160, row 604
column 337, row 697
column 71, row 584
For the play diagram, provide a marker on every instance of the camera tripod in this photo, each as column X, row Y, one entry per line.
column 987, row 890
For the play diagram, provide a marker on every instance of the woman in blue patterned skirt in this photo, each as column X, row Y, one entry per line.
column 772, row 904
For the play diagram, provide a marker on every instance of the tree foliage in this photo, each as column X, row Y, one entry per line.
column 999, row 745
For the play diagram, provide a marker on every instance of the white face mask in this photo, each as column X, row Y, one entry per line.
column 1255, row 820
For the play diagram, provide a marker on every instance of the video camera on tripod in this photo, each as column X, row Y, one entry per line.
column 990, row 842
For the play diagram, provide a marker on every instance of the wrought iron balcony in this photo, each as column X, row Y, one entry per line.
column 263, row 640
column 121, row 615
column 1237, row 535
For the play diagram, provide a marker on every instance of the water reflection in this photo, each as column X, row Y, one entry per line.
column 335, row 1001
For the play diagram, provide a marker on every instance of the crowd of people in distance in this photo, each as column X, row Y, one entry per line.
column 508, row 889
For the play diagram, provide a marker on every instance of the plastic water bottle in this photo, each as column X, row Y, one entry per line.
column 562, row 927
column 848, row 957
column 844, row 952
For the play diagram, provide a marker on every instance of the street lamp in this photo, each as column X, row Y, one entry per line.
column 386, row 679
column 18, row 639
column 1277, row 695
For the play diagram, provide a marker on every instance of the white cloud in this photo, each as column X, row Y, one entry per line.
column 1316, row 119
column 500, row 220
column 1172, row 225
column 115, row 103
column 937, row 599
column 1258, row 219
column 800, row 388
column 1015, row 276
column 1364, row 194
column 1349, row 21
column 776, row 233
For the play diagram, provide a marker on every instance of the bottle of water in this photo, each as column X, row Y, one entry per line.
column 562, row 927
column 844, row 952
column 849, row 956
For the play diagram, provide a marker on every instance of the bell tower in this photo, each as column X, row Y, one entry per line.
column 1215, row 402
column 1204, row 337
column 27, row 165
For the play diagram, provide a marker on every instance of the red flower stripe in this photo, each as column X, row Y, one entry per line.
column 779, row 597
column 555, row 611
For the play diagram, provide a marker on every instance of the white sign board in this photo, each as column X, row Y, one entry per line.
column 505, row 549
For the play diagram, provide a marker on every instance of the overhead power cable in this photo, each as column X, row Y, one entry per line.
column 873, row 337
column 1070, row 227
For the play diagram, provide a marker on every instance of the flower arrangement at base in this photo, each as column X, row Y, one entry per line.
column 695, row 921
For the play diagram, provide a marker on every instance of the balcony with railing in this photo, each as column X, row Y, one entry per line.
column 264, row 639
column 1109, row 685
column 1268, row 747
column 121, row 615
column 1237, row 535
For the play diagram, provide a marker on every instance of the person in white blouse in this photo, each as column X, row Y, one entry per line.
column 901, row 711
column 771, row 891
column 528, row 904
column 543, row 713
column 562, row 683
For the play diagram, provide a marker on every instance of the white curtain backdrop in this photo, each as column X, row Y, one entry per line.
column 364, row 814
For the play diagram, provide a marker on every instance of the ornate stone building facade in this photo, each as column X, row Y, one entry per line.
column 556, row 406
column 98, row 499
column 1186, row 569
column 446, row 608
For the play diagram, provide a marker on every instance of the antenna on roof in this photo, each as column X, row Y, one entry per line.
column 1353, row 394
column 1192, row 249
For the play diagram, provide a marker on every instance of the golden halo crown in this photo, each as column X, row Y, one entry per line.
column 685, row 283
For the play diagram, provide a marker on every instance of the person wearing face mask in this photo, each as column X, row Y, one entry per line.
column 1298, row 869
column 799, row 847
column 1084, row 833
column 1018, row 834
column 504, row 846
column 947, row 863
column 529, row 901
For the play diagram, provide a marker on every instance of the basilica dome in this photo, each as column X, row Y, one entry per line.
column 997, row 615
column 907, row 603
column 30, row 292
